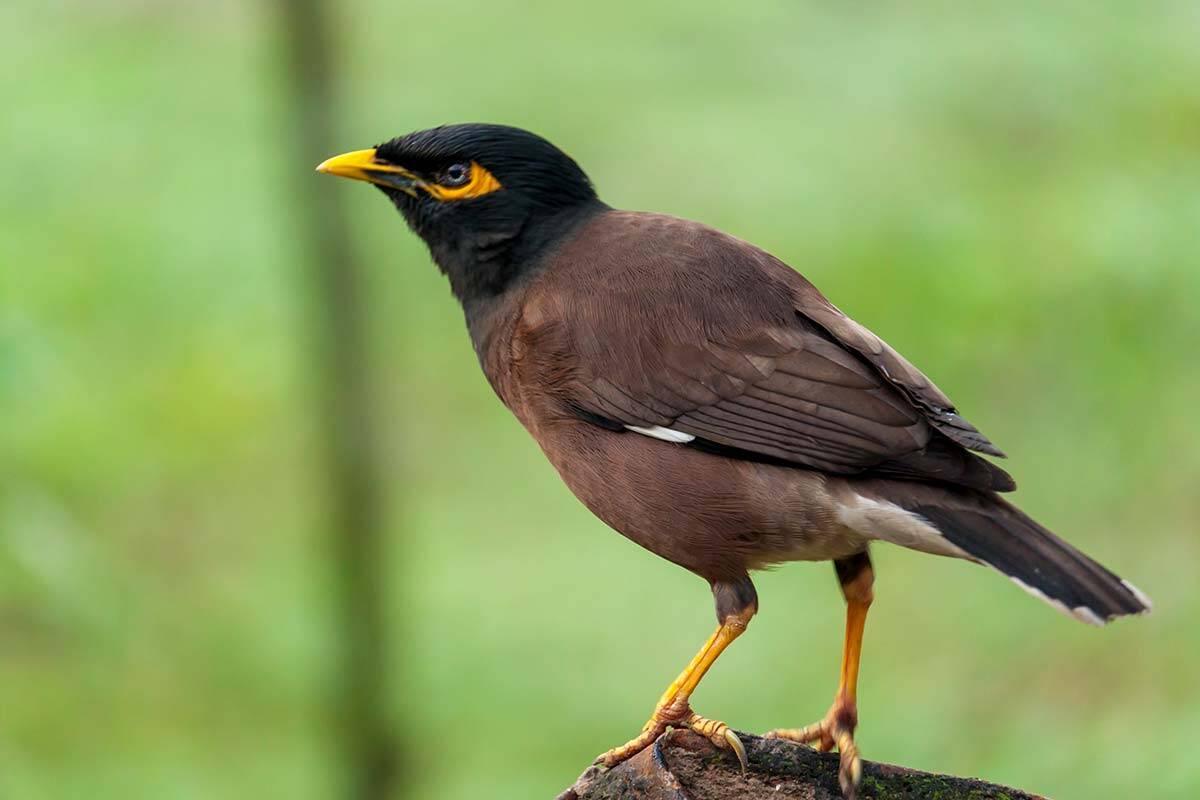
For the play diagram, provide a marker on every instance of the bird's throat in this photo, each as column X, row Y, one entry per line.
column 483, row 265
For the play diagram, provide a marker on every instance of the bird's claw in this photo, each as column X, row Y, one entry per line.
column 677, row 715
column 738, row 748
column 836, row 730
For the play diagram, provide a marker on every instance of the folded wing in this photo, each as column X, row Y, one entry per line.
column 725, row 344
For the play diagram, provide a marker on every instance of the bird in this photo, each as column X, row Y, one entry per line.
column 705, row 400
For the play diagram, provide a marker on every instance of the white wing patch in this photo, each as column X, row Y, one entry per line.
column 666, row 434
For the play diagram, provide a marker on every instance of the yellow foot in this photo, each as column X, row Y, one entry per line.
column 676, row 715
column 836, row 730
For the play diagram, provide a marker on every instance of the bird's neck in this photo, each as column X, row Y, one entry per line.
column 484, row 265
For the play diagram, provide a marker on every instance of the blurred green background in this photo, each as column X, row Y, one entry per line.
column 1008, row 192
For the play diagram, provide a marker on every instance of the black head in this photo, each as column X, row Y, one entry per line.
column 487, row 199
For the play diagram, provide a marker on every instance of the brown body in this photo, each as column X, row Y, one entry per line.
column 705, row 400
column 716, row 515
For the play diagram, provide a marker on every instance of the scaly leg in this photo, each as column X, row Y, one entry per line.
column 736, row 604
column 837, row 728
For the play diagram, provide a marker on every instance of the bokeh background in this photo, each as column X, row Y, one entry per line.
column 1008, row 192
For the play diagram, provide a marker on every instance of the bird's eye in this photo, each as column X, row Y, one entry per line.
column 456, row 175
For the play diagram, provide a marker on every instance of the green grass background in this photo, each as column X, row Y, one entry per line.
column 1008, row 192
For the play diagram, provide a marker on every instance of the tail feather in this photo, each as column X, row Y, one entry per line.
column 994, row 532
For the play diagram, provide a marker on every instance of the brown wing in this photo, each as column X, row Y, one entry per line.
column 668, row 324
column 911, row 382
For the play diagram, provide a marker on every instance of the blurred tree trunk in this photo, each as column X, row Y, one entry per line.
column 684, row 766
column 345, row 405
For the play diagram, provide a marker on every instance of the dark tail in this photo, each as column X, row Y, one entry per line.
column 997, row 533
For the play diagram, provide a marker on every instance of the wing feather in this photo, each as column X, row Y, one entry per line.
column 732, row 347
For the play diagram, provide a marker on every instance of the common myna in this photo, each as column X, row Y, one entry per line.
column 706, row 401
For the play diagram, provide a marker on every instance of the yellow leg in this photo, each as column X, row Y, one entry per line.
column 672, row 709
column 837, row 728
column 856, row 622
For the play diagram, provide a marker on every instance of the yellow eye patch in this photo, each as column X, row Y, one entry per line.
column 481, row 182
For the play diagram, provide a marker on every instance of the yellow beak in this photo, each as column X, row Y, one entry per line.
column 362, row 165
